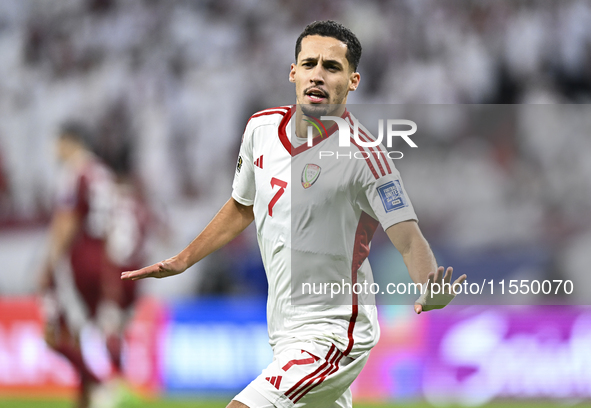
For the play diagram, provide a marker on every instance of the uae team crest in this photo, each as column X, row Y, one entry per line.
column 310, row 174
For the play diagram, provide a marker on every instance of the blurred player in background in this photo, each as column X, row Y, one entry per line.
column 77, row 238
column 97, row 230
column 318, row 349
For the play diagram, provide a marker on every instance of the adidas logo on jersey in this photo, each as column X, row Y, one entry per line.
column 259, row 162
column 274, row 381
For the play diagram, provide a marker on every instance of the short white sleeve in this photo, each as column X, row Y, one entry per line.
column 243, row 187
column 387, row 199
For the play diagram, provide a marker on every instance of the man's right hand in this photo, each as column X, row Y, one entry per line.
column 171, row 266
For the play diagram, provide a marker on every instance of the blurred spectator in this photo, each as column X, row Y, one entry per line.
column 4, row 190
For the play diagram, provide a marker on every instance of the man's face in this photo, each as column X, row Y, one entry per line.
column 322, row 75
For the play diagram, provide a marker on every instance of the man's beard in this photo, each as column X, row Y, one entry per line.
column 318, row 110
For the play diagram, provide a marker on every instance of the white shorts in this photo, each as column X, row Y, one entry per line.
column 305, row 375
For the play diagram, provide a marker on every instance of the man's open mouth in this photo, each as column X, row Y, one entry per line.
column 316, row 95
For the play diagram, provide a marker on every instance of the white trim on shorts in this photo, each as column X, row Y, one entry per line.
column 252, row 398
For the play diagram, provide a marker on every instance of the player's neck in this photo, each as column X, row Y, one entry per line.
column 303, row 121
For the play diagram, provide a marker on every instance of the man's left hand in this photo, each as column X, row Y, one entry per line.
column 428, row 301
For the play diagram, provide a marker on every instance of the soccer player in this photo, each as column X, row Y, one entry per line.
column 79, row 229
column 318, row 227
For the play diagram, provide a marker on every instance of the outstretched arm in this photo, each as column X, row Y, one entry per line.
column 230, row 221
column 422, row 267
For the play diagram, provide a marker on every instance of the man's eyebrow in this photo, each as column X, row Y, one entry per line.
column 333, row 62
column 327, row 62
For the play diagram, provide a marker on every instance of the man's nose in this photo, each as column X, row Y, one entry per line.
column 317, row 75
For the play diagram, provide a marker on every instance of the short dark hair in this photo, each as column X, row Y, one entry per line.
column 75, row 131
column 330, row 28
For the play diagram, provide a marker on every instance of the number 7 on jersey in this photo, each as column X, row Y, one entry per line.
column 282, row 185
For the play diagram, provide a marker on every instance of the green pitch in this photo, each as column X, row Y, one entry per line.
column 186, row 403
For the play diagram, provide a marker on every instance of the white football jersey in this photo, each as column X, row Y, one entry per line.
column 316, row 209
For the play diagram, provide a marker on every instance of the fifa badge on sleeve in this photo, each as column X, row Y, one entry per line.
column 392, row 196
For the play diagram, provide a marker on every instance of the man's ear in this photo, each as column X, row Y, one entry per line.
column 354, row 81
column 292, row 73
